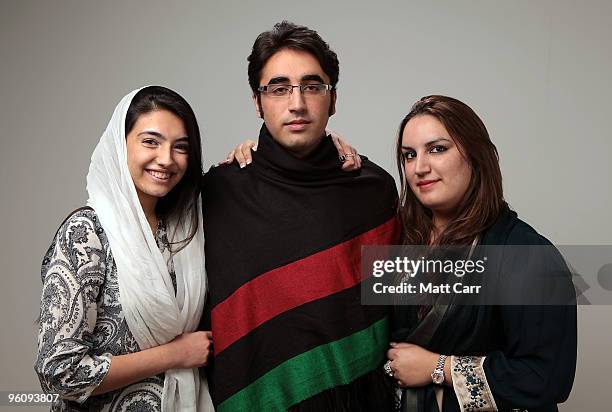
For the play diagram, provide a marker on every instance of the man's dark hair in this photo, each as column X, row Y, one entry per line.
column 287, row 35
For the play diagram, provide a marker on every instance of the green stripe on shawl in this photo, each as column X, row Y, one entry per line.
column 351, row 357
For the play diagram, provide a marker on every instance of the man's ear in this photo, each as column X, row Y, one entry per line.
column 258, row 108
column 332, row 103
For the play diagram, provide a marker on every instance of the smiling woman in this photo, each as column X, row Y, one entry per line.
column 436, row 170
column 162, row 131
column 453, row 357
column 157, row 157
column 123, row 280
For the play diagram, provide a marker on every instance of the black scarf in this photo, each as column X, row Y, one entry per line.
column 283, row 250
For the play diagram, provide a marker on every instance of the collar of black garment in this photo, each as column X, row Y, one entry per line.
column 498, row 233
column 320, row 165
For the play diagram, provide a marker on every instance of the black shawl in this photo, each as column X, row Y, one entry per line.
column 283, row 250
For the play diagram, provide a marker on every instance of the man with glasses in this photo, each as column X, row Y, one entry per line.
column 283, row 248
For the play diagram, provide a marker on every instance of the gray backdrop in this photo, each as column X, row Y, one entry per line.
column 537, row 72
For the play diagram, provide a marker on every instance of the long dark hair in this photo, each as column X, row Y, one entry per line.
column 484, row 199
column 180, row 204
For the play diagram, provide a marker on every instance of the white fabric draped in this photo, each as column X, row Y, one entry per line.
column 154, row 313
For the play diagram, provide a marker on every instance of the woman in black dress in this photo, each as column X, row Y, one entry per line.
column 483, row 357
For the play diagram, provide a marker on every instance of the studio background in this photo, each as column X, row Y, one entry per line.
column 537, row 73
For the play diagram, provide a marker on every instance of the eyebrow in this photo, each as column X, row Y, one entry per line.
column 430, row 143
column 305, row 78
column 310, row 77
column 279, row 79
column 161, row 136
column 152, row 133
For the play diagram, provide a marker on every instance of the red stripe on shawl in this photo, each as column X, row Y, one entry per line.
column 313, row 277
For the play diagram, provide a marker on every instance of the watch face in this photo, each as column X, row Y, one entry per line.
column 437, row 377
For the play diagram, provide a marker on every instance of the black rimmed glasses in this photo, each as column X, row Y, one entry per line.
column 284, row 90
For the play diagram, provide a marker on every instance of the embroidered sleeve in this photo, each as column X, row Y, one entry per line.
column 470, row 384
column 73, row 272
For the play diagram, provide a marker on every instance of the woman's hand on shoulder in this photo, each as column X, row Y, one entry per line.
column 241, row 153
column 346, row 153
column 191, row 349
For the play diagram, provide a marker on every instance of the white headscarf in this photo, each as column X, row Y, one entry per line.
column 154, row 314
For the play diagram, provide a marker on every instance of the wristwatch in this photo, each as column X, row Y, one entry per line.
column 437, row 376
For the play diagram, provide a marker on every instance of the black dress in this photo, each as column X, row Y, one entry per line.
column 503, row 357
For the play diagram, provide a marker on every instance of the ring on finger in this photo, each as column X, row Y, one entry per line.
column 388, row 370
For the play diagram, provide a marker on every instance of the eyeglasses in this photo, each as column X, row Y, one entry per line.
column 284, row 90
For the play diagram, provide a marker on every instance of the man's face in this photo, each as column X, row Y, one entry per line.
column 296, row 122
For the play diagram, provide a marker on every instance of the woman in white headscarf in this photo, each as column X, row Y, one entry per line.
column 123, row 280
